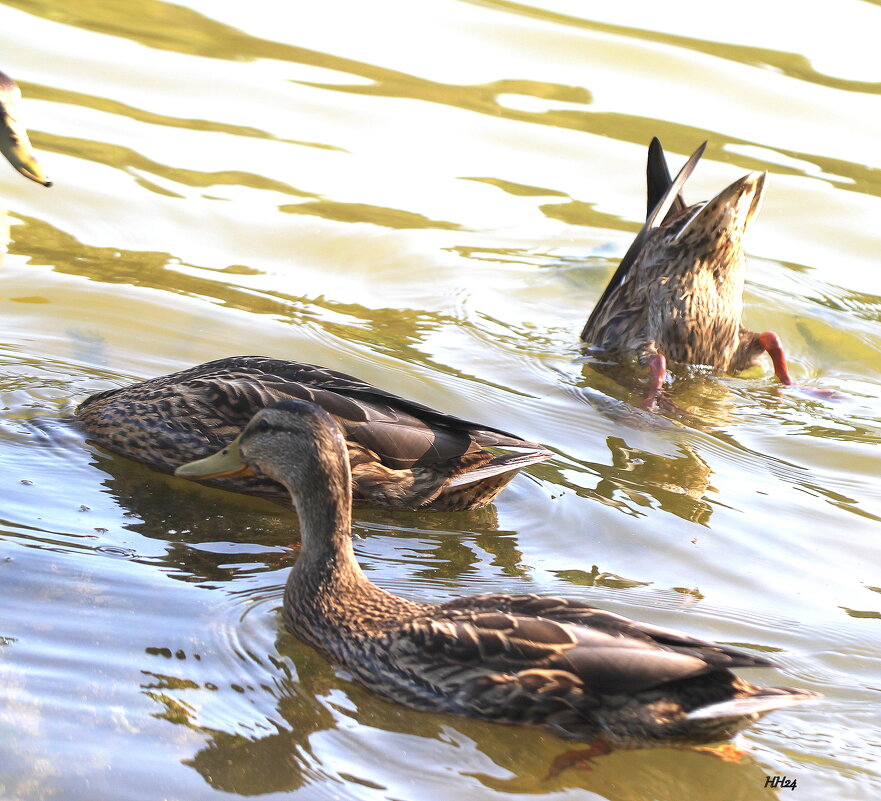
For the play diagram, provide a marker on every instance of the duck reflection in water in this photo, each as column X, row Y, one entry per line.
column 678, row 484
column 640, row 478
column 188, row 518
column 298, row 708
column 311, row 725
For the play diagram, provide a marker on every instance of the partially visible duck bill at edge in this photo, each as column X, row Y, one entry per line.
column 14, row 142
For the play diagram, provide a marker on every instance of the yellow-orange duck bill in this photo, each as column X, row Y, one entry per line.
column 222, row 464
column 14, row 142
column 17, row 150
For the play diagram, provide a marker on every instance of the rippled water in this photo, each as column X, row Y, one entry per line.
column 431, row 196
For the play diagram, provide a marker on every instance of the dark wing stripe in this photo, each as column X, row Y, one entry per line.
column 509, row 646
column 615, row 671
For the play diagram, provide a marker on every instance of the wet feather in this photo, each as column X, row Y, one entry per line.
column 677, row 295
column 555, row 663
column 402, row 453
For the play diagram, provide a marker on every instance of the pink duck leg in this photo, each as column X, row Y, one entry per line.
column 773, row 347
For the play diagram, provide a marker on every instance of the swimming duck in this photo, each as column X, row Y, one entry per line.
column 677, row 295
column 401, row 453
column 14, row 142
column 554, row 663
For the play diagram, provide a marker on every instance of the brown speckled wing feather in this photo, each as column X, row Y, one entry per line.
column 400, row 439
column 343, row 385
column 197, row 411
column 568, row 610
column 610, row 296
column 590, row 652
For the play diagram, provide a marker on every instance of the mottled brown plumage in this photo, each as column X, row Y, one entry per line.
column 402, row 453
column 14, row 143
column 678, row 293
column 559, row 664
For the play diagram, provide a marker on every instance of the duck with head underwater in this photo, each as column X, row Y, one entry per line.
column 553, row 663
column 14, row 142
column 677, row 295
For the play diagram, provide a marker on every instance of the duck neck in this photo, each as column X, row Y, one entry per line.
column 324, row 508
column 327, row 593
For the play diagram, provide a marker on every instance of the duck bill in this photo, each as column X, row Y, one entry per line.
column 730, row 212
column 15, row 145
column 223, row 464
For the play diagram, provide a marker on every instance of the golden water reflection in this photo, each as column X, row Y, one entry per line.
column 431, row 198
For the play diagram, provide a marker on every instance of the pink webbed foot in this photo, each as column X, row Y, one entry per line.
column 773, row 347
column 820, row 393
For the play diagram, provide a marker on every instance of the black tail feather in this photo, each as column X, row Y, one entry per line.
column 658, row 180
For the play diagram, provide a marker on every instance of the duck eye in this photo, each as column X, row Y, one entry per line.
column 262, row 426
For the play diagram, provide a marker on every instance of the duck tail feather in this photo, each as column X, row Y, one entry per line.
column 504, row 463
column 658, row 179
column 765, row 700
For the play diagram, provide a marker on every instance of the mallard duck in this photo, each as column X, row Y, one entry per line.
column 402, row 453
column 14, row 142
column 677, row 294
column 555, row 663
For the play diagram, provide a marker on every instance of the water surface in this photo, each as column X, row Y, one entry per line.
column 431, row 196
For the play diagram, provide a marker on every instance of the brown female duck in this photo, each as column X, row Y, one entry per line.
column 14, row 142
column 401, row 453
column 677, row 294
column 558, row 664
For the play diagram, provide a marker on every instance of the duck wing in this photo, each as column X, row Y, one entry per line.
column 488, row 657
column 209, row 404
column 576, row 612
